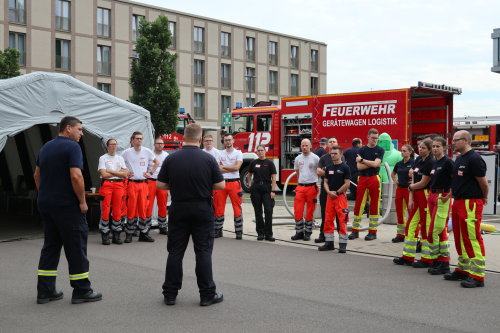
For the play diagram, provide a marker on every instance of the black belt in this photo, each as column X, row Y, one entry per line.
column 402, row 186
column 112, row 180
column 139, row 180
column 232, row 180
column 307, row 184
column 151, row 179
column 440, row 190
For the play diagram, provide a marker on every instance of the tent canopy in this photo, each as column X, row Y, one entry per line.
column 45, row 98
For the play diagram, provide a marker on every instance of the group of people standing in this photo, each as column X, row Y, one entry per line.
column 428, row 188
column 128, row 188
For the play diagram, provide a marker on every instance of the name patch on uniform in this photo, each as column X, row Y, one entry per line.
column 142, row 163
column 257, row 165
column 331, row 172
column 416, row 170
column 433, row 171
column 460, row 173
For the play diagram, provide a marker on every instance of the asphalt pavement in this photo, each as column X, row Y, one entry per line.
column 268, row 287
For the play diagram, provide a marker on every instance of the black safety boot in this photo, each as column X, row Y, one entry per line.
column 128, row 238
column 260, row 237
column 163, row 231
column 136, row 233
column 320, row 239
column 218, row 233
column 470, row 282
column 370, row 237
column 298, row 235
column 455, row 276
column 307, row 237
column 90, row 296
column 54, row 296
column 402, row 261
column 420, row 264
column 239, row 235
column 105, row 238
column 354, row 235
column 144, row 237
column 116, row 238
column 342, row 247
column 270, row 238
column 398, row 239
column 328, row 246
column 443, row 267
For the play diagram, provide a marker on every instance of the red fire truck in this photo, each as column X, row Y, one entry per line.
column 485, row 131
column 405, row 114
column 173, row 141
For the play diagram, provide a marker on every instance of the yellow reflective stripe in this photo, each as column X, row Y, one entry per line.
column 79, row 276
column 42, row 272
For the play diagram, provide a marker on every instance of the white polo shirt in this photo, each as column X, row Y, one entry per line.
column 307, row 165
column 138, row 161
column 227, row 158
column 112, row 163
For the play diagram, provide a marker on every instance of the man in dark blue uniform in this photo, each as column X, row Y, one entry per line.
column 190, row 174
column 62, row 206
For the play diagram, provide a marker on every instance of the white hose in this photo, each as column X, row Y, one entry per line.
column 387, row 211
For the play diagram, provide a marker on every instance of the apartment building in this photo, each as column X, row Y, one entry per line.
column 219, row 63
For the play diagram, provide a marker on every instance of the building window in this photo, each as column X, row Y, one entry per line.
column 17, row 11
column 63, row 15
column 199, row 106
column 103, row 22
column 314, row 60
column 199, row 40
column 18, row 41
column 106, row 87
column 225, row 104
column 199, row 72
column 294, row 85
column 273, row 53
column 63, row 54
column 294, row 56
column 225, row 76
column 225, row 44
column 273, row 82
column 314, row 85
column 250, row 45
column 171, row 27
column 103, row 60
column 250, row 78
column 136, row 19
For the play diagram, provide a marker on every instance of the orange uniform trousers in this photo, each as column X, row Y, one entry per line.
column 336, row 208
column 137, row 204
column 235, row 193
column 305, row 196
column 161, row 200
column 113, row 192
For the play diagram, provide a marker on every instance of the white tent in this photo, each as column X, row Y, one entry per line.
column 45, row 98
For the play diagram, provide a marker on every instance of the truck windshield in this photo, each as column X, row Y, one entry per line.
column 242, row 124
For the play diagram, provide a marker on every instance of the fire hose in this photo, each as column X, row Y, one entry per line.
column 386, row 214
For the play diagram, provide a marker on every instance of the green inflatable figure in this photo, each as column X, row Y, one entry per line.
column 391, row 155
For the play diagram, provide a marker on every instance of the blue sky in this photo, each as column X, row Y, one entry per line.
column 384, row 44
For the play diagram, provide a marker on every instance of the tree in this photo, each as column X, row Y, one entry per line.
column 152, row 75
column 9, row 64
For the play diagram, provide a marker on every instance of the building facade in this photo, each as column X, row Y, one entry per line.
column 218, row 63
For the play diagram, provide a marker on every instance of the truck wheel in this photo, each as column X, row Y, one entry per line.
column 243, row 178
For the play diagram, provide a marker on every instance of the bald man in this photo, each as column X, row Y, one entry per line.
column 306, row 191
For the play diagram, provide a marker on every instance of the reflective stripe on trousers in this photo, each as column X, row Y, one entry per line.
column 437, row 235
column 466, row 217
column 417, row 220
column 367, row 187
